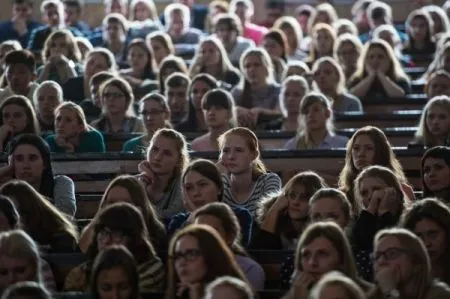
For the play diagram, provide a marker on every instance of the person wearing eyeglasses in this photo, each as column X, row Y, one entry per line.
column 130, row 232
column 197, row 256
column 402, row 268
column 155, row 113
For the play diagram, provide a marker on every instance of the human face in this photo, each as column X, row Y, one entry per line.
column 436, row 174
column 242, row 12
column 323, row 42
column 328, row 208
column 419, row 28
column 114, row 31
column 216, row 224
column 199, row 190
column 210, row 55
column 137, row 58
column 159, row 50
column 236, row 155
column 4, row 50
column 118, row 194
column 291, row 37
column 433, row 236
column 378, row 59
column 316, row 116
column 114, row 100
column 4, row 223
column 254, row 70
column 141, row 12
column 72, row 15
column 347, row 54
column 390, row 254
column 368, row 186
column 224, row 291
column 22, row 10
column 217, row 117
column 177, row 97
column 319, row 257
column 363, row 152
column 19, row 78
column 190, row 265
column 327, row 77
column 297, row 203
column 438, row 121
column 272, row 47
column 13, row 270
column 16, row 117
column 95, row 63
column 226, row 34
column 154, row 115
column 303, row 21
column 388, row 37
column 323, row 17
column 198, row 90
column 117, row 7
column 292, row 93
column 52, row 15
column 163, row 156
column 28, row 164
column 67, row 124
column 47, row 102
column 334, row 291
column 439, row 85
column 106, row 238
column 176, row 28
column 113, row 283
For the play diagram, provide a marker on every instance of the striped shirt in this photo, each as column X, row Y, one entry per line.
column 266, row 184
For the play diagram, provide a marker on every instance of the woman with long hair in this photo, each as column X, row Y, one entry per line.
column 435, row 173
column 47, row 97
column 275, row 43
column 419, row 27
column 347, row 49
column 294, row 34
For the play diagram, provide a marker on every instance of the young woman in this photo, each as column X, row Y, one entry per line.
column 343, row 26
column 246, row 180
column 419, row 27
column 276, row 45
column 46, row 98
column 402, row 267
column 17, row 117
column 438, row 84
column 142, row 66
column 315, row 128
column 322, row 248
column 434, row 125
column 330, row 204
column 61, row 58
column 283, row 217
column 115, row 28
column 117, row 102
column 439, row 18
column 169, row 65
column 130, row 232
column 228, row 287
column 245, row 9
column 211, row 58
column 156, row 115
column 197, row 256
column 369, row 146
column 73, row 134
column 329, row 79
column 256, row 96
column 50, row 228
column 299, row 68
column 294, row 35
column 429, row 219
column 9, row 216
column 347, row 49
column 126, row 188
column 161, row 45
column 218, row 108
column 222, row 218
column 322, row 43
column 379, row 74
column 336, row 285
column 435, row 173
column 18, row 251
column 167, row 156
column 115, row 273
column 29, row 160
column 144, row 18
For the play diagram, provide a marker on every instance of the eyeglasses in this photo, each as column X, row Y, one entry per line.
column 189, row 255
column 152, row 112
column 389, row 254
column 107, row 234
column 114, row 95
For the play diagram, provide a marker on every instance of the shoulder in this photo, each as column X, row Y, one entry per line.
column 290, row 144
column 438, row 290
column 269, row 177
column 62, row 180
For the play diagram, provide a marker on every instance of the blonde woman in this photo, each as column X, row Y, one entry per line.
column 293, row 89
column 291, row 28
column 434, row 126
column 315, row 128
column 323, row 38
column 347, row 49
column 73, row 134
column 337, row 284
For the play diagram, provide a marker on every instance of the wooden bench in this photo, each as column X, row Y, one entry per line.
column 388, row 106
column 400, row 118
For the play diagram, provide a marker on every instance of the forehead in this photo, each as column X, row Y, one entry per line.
column 253, row 58
column 319, row 243
column 13, row 108
column 325, row 202
column 432, row 160
column 18, row 67
column 26, row 149
column 371, row 181
column 209, row 45
column 186, row 242
column 363, row 139
column 164, row 143
column 376, row 50
column 193, row 176
column 48, row 90
column 67, row 112
column 235, row 140
column 149, row 104
column 387, row 241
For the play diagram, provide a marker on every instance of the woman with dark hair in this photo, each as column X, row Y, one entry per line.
column 169, row 65
column 429, row 219
column 115, row 273
column 40, row 219
column 130, row 232
column 9, row 217
column 436, row 173
column 197, row 256
column 29, row 160
column 419, row 27
column 276, row 45
column 17, row 116
column 127, row 188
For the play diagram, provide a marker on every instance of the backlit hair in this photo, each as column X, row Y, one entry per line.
column 336, row 278
column 79, row 113
column 178, row 8
column 149, row 4
column 74, row 53
column 239, row 286
column 291, row 79
column 288, row 21
column 45, row 84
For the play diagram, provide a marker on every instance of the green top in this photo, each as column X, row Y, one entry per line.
column 90, row 142
column 135, row 145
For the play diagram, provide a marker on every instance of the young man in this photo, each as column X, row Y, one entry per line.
column 21, row 25
column 177, row 95
column 73, row 11
column 198, row 13
column 20, row 74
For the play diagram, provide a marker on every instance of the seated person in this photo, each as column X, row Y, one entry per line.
column 244, row 9
column 74, row 12
column 5, row 48
column 73, row 135
column 438, row 84
column 275, row 43
column 47, row 97
column 171, row 64
column 198, row 14
column 143, row 18
column 291, row 28
column 92, row 106
column 118, row 116
column 419, row 27
column 161, row 46
column 20, row 74
column 177, row 95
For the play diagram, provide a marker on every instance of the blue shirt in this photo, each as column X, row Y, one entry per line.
column 7, row 32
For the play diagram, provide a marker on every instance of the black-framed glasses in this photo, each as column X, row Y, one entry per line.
column 388, row 254
column 188, row 255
